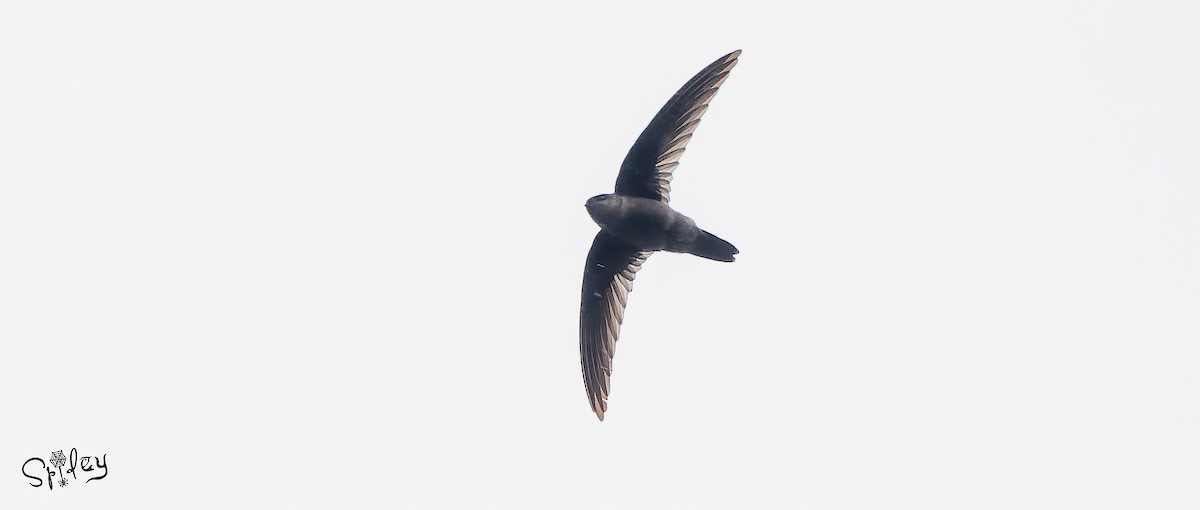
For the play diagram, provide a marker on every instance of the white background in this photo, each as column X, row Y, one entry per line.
column 323, row 254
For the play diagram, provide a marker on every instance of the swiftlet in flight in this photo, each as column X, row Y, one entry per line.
column 637, row 220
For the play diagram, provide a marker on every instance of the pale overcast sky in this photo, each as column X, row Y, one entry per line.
column 269, row 254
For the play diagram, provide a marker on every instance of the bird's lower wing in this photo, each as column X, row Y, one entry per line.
column 607, row 280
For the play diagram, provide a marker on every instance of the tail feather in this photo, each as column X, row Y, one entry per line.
column 712, row 247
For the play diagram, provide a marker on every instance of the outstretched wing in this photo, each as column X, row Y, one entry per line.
column 647, row 169
column 607, row 280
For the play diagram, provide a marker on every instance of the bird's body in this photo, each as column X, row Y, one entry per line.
column 652, row 225
column 637, row 220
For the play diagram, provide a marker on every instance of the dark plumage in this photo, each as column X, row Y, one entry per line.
column 637, row 220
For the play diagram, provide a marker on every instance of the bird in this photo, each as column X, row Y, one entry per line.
column 637, row 220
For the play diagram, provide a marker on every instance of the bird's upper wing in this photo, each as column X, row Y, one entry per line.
column 647, row 169
column 607, row 280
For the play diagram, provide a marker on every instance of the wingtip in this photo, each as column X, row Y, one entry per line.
column 599, row 410
column 728, row 61
column 599, row 406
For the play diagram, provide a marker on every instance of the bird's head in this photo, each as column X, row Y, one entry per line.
column 599, row 204
column 598, row 200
